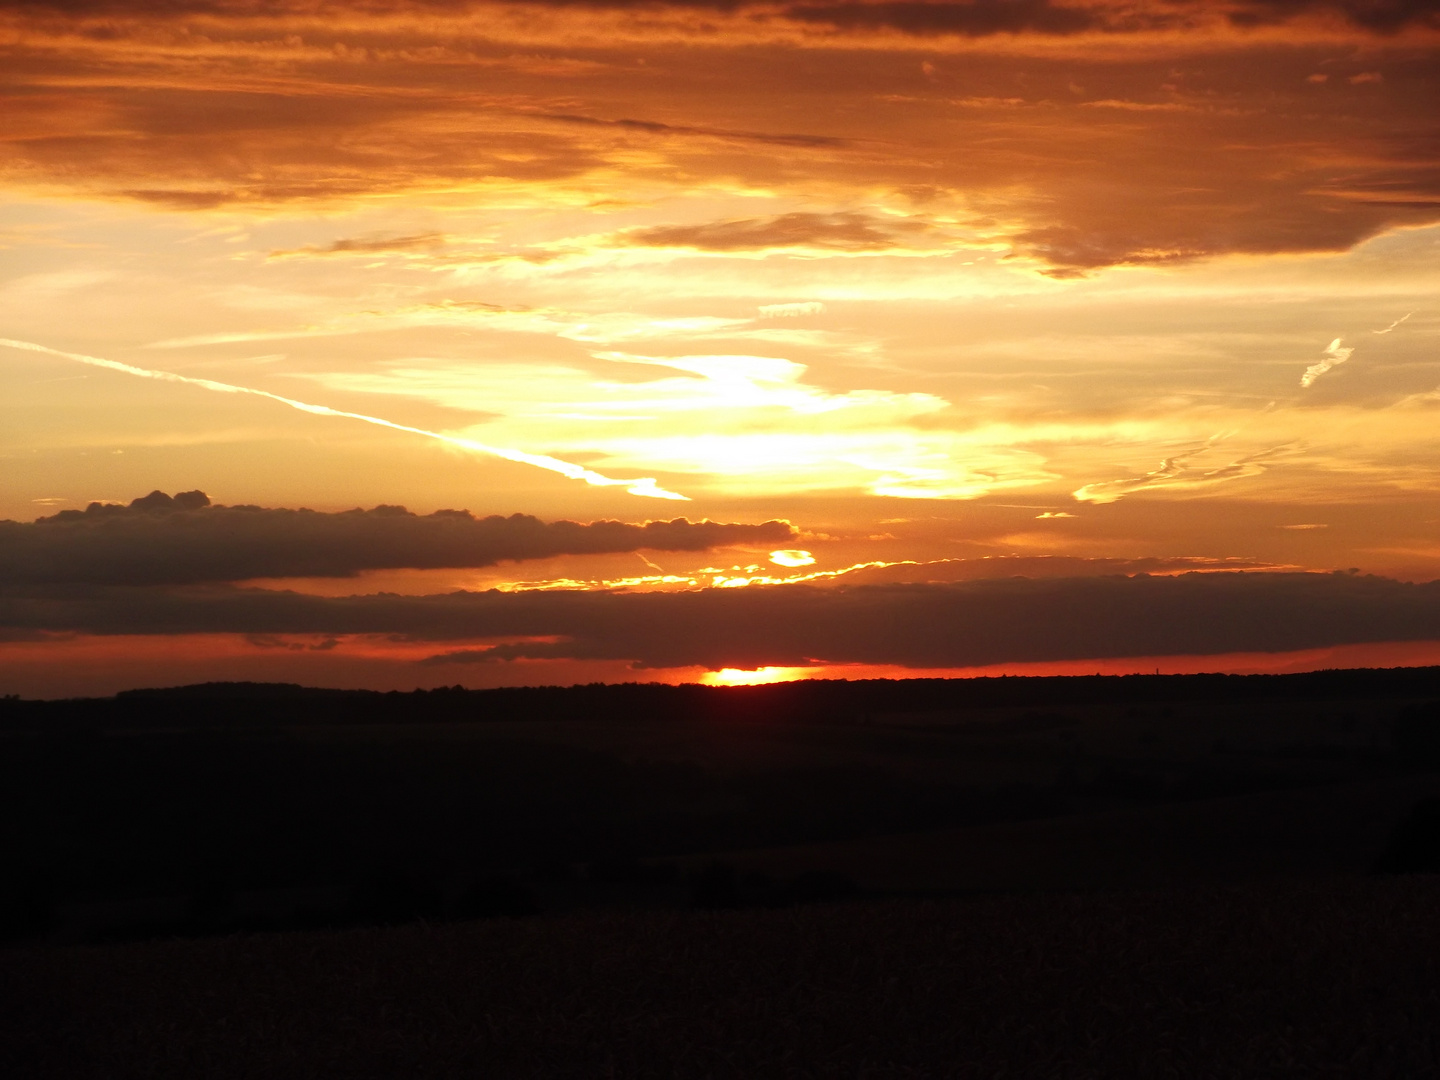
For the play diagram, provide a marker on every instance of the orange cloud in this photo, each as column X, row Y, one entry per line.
column 923, row 18
column 847, row 231
column 366, row 246
column 1180, row 132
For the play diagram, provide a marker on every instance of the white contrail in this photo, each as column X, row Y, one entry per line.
column 645, row 487
column 1335, row 355
column 1394, row 324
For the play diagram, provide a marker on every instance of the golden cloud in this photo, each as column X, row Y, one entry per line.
column 1180, row 132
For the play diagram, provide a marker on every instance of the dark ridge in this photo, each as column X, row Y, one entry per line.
column 831, row 700
column 874, row 695
column 827, row 701
column 248, row 691
column 228, row 808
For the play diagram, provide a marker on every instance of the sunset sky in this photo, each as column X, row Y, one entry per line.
column 1000, row 336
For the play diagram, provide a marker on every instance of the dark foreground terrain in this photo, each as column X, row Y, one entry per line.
column 228, row 808
column 1294, row 980
column 1167, row 876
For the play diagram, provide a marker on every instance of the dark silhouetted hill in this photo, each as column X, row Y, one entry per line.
column 243, row 806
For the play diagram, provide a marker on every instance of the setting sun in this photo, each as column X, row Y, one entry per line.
column 757, row 677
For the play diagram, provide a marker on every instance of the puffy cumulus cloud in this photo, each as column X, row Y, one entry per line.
column 965, row 624
column 160, row 540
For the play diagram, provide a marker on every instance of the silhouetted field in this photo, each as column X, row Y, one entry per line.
column 1193, row 876
column 1277, row 979
column 224, row 808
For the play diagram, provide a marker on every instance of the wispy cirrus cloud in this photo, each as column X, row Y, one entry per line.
column 591, row 328
column 371, row 245
column 732, row 422
column 656, row 127
column 1335, row 355
column 1391, row 327
column 645, row 486
column 791, row 310
column 904, row 571
column 847, row 231
column 1178, row 472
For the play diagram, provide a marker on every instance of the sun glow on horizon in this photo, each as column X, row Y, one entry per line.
column 756, row 676
column 1366, row 655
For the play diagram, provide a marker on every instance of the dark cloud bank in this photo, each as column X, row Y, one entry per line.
column 160, row 540
column 161, row 566
column 922, row 625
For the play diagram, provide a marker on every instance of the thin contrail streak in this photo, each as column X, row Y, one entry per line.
column 645, row 487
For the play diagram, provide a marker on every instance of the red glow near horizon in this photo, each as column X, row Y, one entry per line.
column 100, row 665
column 1370, row 655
